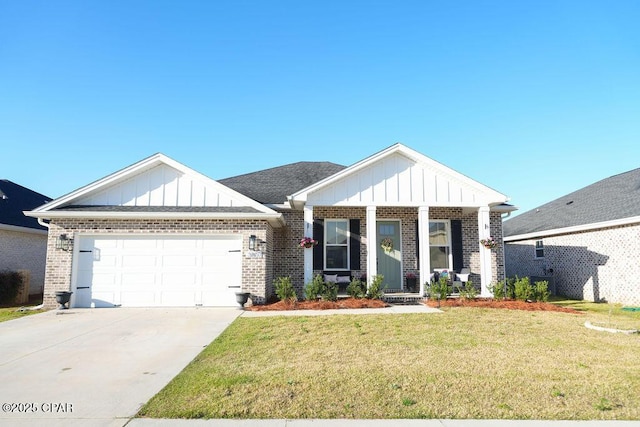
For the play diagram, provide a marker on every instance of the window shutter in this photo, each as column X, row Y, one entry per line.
column 354, row 243
column 456, row 244
column 417, row 244
column 318, row 250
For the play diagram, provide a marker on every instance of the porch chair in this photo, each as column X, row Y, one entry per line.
column 462, row 278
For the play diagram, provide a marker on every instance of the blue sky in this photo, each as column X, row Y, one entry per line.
column 532, row 98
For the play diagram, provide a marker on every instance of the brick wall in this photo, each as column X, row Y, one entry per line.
column 590, row 265
column 257, row 272
column 24, row 251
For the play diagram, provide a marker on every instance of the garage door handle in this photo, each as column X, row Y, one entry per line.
column 235, row 250
column 83, row 287
column 236, row 287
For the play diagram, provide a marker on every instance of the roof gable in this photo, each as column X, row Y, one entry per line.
column 610, row 199
column 398, row 176
column 14, row 199
column 157, row 181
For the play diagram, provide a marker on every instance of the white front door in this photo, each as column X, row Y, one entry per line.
column 147, row 271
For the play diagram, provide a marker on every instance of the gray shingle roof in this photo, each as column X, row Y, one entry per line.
column 612, row 198
column 272, row 186
column 14, row 199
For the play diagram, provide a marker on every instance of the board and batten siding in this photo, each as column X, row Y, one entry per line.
column 398, row 180
column 162, row 185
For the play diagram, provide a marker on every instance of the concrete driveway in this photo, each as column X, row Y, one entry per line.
column 97, row 366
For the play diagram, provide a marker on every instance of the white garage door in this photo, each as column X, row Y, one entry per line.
column 164, row 271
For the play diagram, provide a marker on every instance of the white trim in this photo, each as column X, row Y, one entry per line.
column 324, row 244
column 372, row 242
column 276, row 219
column 449, row 245
column 574, row 229
column 18, row 229
column 425, row 251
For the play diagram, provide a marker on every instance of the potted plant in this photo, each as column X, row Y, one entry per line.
column 307, row 242
column 242, row 298
column 62, row 298
column 488, row 243
column 411, row 281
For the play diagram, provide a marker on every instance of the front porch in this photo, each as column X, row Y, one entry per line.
column 400, row 213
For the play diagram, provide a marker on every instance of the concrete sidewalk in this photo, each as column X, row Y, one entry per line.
column 376, row 423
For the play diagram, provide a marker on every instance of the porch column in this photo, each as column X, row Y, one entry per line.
column 372, row 245
column 484, row 231
column 424, row 256
column 308, row 252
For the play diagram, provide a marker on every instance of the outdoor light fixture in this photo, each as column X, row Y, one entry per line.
column 253, row 240
column 64, row 242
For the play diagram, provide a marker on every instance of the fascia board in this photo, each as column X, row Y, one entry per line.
column 574, row 229
column 274, row 218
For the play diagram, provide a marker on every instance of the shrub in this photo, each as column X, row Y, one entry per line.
column 540, row 291
column 313, row 289
column 497, row 289
column 329, row 291
column 10, row 282
column 439, row 288
column 357, row 288
column 376, row 289
column 285, row 290
column 469, row 291
column 522, row 289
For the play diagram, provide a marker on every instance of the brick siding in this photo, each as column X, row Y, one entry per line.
column 591, row 265
column 24, row 251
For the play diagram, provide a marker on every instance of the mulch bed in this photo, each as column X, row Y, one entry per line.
column 449, row 302
column 321, row 305
column 505, row 304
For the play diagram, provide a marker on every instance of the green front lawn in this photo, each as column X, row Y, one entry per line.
column 10, row 313
column 464, row 363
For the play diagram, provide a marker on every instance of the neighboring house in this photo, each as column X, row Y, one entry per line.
column 23, row 242
column 589, row 241
column 160, row 234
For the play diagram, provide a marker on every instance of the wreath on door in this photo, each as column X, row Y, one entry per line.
column 387, row 244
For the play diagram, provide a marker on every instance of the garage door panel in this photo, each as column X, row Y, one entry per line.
column 161, row 271
column 180, row 244
column 179, row 279
column 179, row 261
column 139, row 261
column 139, row 243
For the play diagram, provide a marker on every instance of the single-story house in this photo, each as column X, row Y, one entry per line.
column 158, row 233
column 587, row 242
column 23, row 242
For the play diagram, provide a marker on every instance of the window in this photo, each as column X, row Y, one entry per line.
column 336, row 246
column 539, row 249
column 439, row 244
